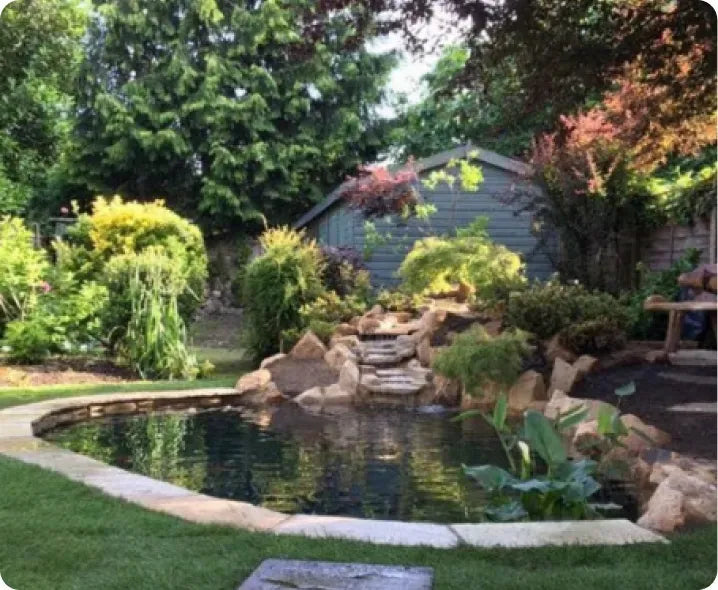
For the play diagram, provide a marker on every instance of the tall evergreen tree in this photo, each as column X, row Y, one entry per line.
column 39, row 51
column 235, row 112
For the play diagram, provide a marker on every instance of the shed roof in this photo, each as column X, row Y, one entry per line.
column 434, row 161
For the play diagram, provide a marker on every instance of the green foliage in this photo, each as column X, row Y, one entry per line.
column 270, row 104
column 557, row 488
column 29, row 341
column 398, row 300
column 155, row 340
column 118, row 238
column 645, row 325
column 277, row 284
column 594, row 336
column 544, row 309
column 477, row 360
column 449, row 115
column 64, row 320
column 41, row 49
column 434, row 264
column 22, row 270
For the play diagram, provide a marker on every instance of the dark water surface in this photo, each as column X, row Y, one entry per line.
column 367, row 463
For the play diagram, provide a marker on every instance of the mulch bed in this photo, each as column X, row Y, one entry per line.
column 292, row 376
column 658, row 387
column 69, row 371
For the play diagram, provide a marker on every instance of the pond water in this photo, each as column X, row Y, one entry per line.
column 381, row 464
column 384, row 464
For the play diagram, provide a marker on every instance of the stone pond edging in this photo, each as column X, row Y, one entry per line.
column 20, row 427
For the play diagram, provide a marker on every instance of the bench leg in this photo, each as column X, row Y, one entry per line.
column 673, row 335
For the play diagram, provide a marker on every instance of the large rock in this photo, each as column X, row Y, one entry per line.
column 368, row 325
column 636, row 443
column 585, row 364
column 309, row 347
column 528, row 388
column 349, row 377
column 446, row 391
column 423, row 351
column 560, row 403
column 554, row 350
column 311, row 397
column 563, row 377
column 337, row 395
column 270, row 396
column 345, row 330
column 665, row 510
column 338, row 355
column 679, row 498
column 270, row 360
column 351, row 342
column 253, row 382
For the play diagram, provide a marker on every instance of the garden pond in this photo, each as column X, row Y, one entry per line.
column 369, row 463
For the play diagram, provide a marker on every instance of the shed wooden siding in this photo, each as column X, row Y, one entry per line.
column 340, row 226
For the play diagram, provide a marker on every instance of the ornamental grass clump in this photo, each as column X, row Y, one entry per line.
column 155, row 341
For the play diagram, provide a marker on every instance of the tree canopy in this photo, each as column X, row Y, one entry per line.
column 40, row 49
column 232, row 112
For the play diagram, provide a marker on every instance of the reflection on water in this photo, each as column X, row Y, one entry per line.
column 374, row 464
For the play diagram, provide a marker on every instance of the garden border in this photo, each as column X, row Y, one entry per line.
column 20, row 427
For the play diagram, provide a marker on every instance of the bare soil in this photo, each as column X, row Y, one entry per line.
column 292, row 376
column 678, row 400
column 64, row 371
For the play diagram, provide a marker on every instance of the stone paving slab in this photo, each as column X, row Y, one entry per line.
column 280, row 574
column 208, row 510
column 385, row 532
column 540, row 534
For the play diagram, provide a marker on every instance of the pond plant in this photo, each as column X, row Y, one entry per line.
column 542, row 482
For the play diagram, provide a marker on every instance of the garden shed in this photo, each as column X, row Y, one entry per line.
column 332, row 222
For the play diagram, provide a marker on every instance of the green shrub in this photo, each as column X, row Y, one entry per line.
column 398, row 301
column 22, row 270
column 29, row 340
column 155, row 342
column 435, row 264
column 277, row 284
column 593, row 336
column 477, row 360
column 118, row 237
column 65, row 319
column 545, row 309
column 646, row 325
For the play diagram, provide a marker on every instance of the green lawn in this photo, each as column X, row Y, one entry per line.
column 56, row 534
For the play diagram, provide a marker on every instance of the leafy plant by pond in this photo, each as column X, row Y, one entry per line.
column 552, row 487
column 542, row 482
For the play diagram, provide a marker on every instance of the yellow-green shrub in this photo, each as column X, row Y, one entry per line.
column 435, row 264
column 118, row 237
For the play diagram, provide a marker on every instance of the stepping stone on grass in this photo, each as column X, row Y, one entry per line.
column 280, row 574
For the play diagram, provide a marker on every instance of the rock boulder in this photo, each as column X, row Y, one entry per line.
column 309, row 347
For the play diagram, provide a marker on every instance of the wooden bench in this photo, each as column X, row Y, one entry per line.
column 676, row 310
